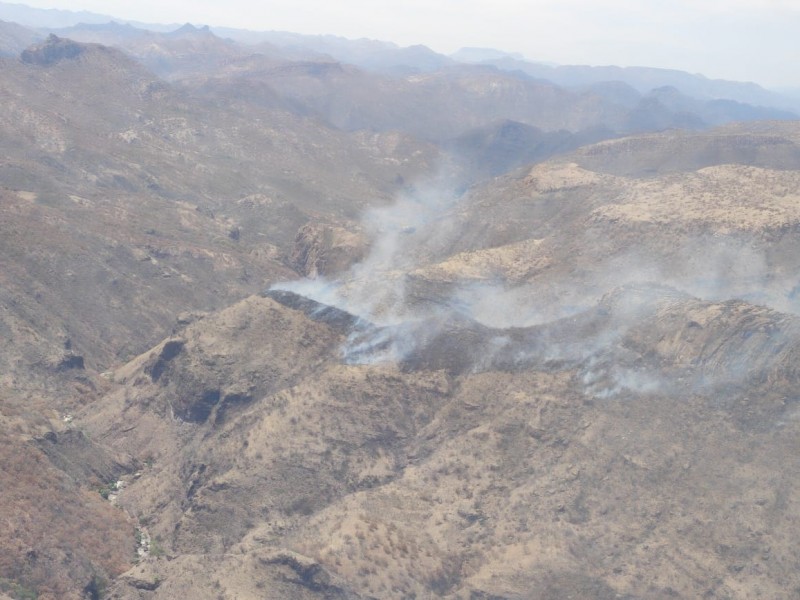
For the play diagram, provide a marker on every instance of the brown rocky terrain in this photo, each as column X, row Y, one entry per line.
column 117, row 222
column 250, row 354
column 645, row 469
column 637, row 446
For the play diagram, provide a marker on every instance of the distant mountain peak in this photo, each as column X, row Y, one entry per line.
column 188, row 28
column 54, row 49
column 471, row 55
column 110, row 26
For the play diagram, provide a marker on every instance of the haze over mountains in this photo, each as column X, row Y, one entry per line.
column 289, row 316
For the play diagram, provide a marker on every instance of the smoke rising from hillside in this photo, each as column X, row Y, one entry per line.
column 375, row 287
column 573, row 320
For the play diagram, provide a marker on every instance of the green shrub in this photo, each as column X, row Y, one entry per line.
column 16, row 590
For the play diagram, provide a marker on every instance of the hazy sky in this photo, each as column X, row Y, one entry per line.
column 749, row 40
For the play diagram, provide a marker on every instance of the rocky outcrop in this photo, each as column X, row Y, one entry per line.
column 321, row 250
column 53, row 50
column 306, row 572
column 169, row 350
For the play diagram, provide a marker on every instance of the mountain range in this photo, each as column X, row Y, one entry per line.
column 291, row 316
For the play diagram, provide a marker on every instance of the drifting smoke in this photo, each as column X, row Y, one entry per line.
column 375, row 287
column 580, row 322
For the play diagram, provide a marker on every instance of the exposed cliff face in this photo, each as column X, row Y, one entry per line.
column 326, row 250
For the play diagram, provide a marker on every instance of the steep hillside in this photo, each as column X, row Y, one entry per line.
column 609, row 465
column 15, row 38
column 772, row 145
column 500, row 147
column 136, row 182
column 127, row 207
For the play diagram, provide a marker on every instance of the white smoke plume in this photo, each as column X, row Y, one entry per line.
column 375, row 287
column 376, row 290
